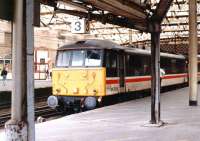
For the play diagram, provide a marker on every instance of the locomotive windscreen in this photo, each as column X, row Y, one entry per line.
column 79, row 58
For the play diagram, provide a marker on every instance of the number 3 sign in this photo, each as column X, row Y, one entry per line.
column 80, row 26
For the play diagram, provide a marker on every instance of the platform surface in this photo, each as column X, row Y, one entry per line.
column 125, row 122
column 7, row 85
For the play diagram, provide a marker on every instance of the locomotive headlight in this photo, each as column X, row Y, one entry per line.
column 66, row 90
column 85, row 91
column 84, row 75
column 99, row 99
column 93, row 75
column 58, row 90
column 75, row 90
column 94, row 91
column 66, row 75
column 52, row 101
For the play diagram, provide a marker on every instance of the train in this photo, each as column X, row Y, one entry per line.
column 88, row 71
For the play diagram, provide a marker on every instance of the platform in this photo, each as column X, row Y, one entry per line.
column 125, row 122
column 38, row 84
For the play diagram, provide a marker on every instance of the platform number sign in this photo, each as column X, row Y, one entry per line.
column 80, row 26
column 77, row 26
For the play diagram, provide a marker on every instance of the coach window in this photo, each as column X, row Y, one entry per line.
column 173, row 65
column 165, row 63
column 130, row 65
column 180, row 65
column 146, row 65
column 77, row 58
column 138, row 65
column 111, row 64
column 63, row 58
column 127, row 65
column 93, row 58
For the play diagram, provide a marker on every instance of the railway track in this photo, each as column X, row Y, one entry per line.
column 45, row 112
column 41, row 110
column 4, row 118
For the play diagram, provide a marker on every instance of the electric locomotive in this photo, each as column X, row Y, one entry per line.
column 88, row 71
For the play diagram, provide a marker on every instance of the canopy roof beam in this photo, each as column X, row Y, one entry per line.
column 128, row 9
column 161, row 10
column 107, row 18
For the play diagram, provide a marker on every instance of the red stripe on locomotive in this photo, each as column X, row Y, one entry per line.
column 142, row 79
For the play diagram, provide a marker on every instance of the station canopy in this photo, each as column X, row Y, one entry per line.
column 124, row 21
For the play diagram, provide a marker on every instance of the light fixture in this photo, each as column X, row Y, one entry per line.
column 78, row 1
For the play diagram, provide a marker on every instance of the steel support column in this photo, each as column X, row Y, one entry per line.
column 19, row 127
column 155, row 74
column 30, row 69
column 16, row 128
column 130, row 32
column 193, row 52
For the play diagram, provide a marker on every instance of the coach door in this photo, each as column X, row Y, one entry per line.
column 121, row 71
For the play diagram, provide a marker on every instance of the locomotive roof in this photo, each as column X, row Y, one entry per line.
column 106, row 44
column 93, row 43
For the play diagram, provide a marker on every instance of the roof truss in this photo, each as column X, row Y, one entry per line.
column 133, row 14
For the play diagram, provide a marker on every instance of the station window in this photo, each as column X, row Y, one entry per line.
column 1, row 64
column 7, row 61
column 42, row 60
column 1, row 61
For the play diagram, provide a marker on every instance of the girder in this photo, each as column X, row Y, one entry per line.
column 115, row 12
column 127, row 9
column 161, row 10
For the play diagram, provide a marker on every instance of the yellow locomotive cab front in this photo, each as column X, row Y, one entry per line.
column 78, row 79
column 79, row 82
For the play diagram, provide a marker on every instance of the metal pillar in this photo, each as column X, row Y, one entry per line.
column 193, row 52
column 16, row 126
column 19, row 127
column 155, row 74
column 130, row 32
column 30, row 69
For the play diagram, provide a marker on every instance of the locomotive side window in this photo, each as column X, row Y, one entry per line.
column 93, row 58
column 63, row 58
column 78, row 58
column 111, row 64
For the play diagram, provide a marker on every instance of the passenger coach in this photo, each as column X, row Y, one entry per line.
column 88, row 71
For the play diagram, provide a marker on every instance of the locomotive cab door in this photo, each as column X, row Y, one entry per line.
column 121, row 71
